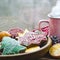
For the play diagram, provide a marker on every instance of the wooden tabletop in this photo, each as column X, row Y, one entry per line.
column 47, row 57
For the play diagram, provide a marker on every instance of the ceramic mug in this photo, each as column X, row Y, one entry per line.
column 51, row 26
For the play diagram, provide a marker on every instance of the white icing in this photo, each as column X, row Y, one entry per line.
column 55, row 13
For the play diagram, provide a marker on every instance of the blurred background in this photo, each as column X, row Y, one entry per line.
column 23, row 13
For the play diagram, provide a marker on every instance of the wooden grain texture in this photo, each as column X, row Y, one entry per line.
column 47, row 57
column 23, row 13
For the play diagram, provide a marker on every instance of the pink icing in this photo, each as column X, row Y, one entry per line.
column 31, row 38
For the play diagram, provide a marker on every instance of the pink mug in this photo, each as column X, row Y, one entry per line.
column 51, row 26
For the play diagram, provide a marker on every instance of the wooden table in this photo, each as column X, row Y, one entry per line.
column 47, row 57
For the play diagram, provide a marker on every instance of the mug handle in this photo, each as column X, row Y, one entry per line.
column 44, row 26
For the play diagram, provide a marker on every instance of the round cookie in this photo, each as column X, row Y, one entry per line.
column 32, row 49
column 3, row 34
column 55, row 50
column 14, row 32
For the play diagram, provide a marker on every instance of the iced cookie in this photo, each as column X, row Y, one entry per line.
column 31, row 38
column 14, row 32
column 55, row 50
column 11, row 46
